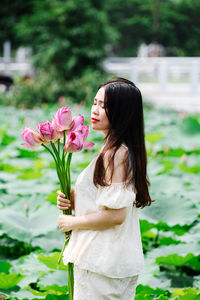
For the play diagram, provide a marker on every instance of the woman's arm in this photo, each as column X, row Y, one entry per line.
column 100, row 220
column 93, row 220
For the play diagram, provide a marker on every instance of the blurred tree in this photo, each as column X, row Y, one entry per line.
column 180, row 26
column 187, row 27
column 67, row 37
column 133, row 21
column 156, row 20
column 173, row 23
column 11, row 12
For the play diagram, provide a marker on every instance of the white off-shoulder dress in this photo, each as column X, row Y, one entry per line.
column 106, row 262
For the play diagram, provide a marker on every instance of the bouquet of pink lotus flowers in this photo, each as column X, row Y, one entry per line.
column 61, row 138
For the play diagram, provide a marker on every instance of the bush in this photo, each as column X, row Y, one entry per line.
column 69, row 37
column 44, row 88
column 85, row 88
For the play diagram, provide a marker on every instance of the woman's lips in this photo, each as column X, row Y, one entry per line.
column 94, row 120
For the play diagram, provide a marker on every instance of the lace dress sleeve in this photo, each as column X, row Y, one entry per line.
column 115, row 196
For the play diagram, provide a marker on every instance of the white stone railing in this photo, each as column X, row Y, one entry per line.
column 159, row 69
column 16, row 68
column 18, row 65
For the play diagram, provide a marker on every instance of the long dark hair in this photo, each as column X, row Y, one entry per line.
column 124, row 110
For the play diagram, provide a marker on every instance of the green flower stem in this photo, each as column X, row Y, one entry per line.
column 71, row 280
column 68, row 174
column 67, row 237
column 63, row 171
column 57, row 165
column 59, row 147
column 64, row 183
column 63, row 153
column 50, row 152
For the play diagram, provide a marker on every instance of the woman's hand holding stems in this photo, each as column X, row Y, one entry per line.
column 102, row 219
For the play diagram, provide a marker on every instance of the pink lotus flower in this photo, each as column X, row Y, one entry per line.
column 32, row 138
column 75, row 141
column 63, row 119
column 83, row 130
column 48, row 132
column 184, row 158
column 78, row 120
column 72, row 134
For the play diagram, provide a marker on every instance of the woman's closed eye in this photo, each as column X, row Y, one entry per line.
column 102, row 106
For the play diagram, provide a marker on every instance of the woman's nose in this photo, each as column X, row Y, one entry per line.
column 95, row 110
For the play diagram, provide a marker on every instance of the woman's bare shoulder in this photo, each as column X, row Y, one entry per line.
column 119, row 158
column 120, row 154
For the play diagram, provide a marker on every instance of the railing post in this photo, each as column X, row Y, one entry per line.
column 194, row 78
column 134, row 73
column 162, row 76
column 6, row 51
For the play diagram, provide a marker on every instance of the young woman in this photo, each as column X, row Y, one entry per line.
column 105, row 244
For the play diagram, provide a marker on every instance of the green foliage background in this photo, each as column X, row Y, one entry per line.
column 30, row 239
column 69, row 40
column 66, row 36
column 54, row 27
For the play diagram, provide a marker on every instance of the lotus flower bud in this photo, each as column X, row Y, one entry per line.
column 32, row 138
column 48, row 132
column 63, row 119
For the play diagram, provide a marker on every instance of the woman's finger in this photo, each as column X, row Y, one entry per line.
column 61, row 203
column 72, row 198
column 63, row 200
column 61, row 194
column 62, row 206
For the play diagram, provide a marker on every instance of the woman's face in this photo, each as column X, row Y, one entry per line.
column 99, row 119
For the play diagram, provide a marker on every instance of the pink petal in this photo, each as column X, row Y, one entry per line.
column 78, row 120
column 28, row 146
column 88, row 145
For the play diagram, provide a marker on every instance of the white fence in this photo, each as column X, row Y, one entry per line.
column 19, row 65
column 161, row 70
